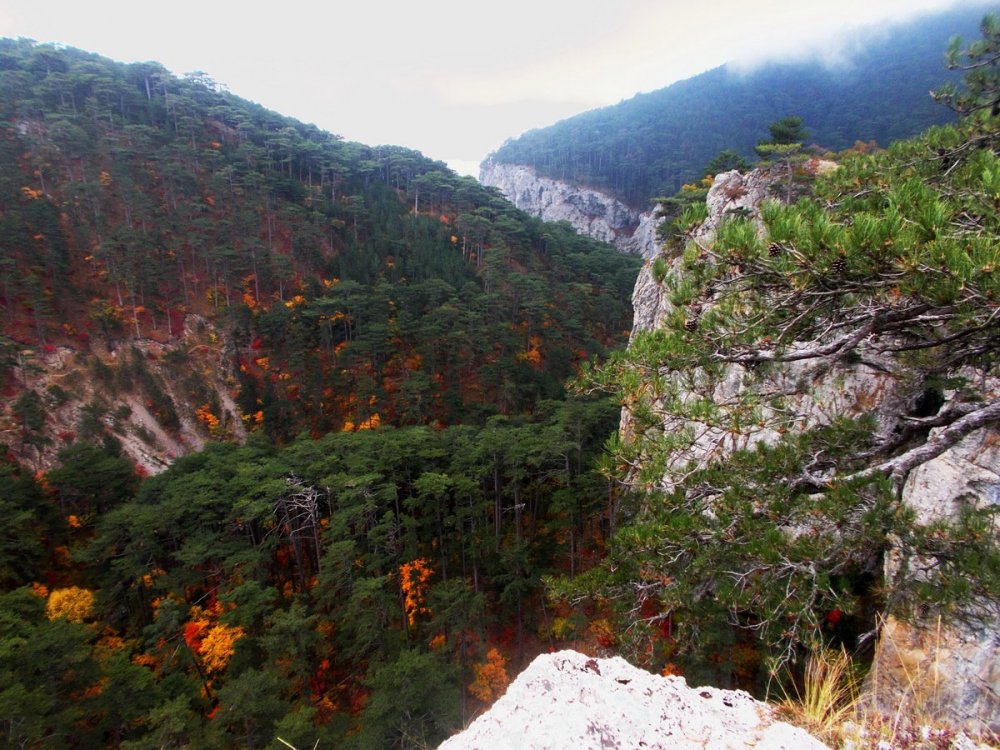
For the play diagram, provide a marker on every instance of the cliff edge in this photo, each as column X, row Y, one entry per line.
column 951, row 671
column 569, row 700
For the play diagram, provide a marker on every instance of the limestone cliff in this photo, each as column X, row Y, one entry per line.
column 951, row 671
column 592, row 213
column 568, row 700
column 955, row 671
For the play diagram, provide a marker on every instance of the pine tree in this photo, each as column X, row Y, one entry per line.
column 743, row 519
column 980, row 62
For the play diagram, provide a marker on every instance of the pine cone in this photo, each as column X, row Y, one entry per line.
column 839, row 266
column 774, row 250
column 690, row 324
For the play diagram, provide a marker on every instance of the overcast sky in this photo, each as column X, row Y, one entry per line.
column 452, row 78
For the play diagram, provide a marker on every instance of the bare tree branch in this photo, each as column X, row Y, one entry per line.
column 900, row 466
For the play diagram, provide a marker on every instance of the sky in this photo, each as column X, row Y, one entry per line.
column 450, row 78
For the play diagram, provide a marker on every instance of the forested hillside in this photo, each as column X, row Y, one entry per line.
column 345, row 367
column 651, row 144
column 333, row 284
column 371, row 352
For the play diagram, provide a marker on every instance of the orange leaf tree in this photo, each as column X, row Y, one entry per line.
column 491, row 677
column 413, row 578
column 217, row 646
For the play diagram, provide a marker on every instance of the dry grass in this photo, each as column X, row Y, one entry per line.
column 833, row 709
column 829, row 695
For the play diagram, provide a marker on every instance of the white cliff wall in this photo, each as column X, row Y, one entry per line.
column 953, row 672
column 592, row 213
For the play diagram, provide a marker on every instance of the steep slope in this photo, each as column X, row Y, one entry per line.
column 344, row 366
column 812, row 405
column 180, row 265
column 649, row 145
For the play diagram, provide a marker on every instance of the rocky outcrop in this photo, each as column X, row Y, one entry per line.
column 950, row 671
column 591, row 212
column 731, row 193
column 101, row 390
column 568, row 700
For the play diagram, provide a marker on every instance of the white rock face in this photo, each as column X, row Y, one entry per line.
column 591, row 212
column 731, row 193
column 568, row 701
column 951, row 673
column 955, row 670
column 643, row 240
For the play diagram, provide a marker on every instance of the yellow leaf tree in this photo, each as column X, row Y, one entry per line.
column 73, row 603
column 217, row 646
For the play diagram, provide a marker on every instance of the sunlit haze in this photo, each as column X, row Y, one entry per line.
column 452, row 79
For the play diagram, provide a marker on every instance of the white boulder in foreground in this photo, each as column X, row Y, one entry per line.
column 569, row 700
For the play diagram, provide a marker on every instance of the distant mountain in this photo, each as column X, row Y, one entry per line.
column 653, row 143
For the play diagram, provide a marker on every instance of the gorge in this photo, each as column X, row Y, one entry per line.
column 321, row 444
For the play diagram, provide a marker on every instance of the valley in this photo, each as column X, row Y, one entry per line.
column 312, row 443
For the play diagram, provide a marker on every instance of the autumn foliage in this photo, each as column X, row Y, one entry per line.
column 212, row 641
column 217, row 646
column 413, row 578
column 73, row 603
column 491, row 677
column 207, row 418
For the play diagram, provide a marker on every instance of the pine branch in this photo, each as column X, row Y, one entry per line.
column 874, row 323
column 915, row 426
column 984, row 63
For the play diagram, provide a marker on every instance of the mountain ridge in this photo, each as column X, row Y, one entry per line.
column 649, row 145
